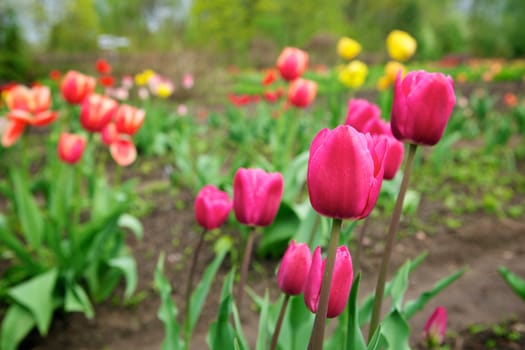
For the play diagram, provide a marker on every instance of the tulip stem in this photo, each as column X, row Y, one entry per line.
column 189, row 286
column 394, row 223
column 359, row 247
column 314, row 230
column 275, row 337
column 244, row 268
column 316, row 340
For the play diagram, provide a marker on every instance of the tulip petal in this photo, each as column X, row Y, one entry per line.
column 123, row 151
column 341, row 282
column 313, row 283
column 14, row 129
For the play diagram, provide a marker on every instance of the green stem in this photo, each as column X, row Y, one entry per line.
column 275, row 337
column 189, row 287
column 359, row 248
column 394, row 223
column 244, row 267
column 316, row 340
column 314, row 230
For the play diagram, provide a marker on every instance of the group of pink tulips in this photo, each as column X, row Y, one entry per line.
column 346, row 168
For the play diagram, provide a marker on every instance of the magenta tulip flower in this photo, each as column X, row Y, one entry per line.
column 341, row 282
column 422, row 105
column 395, row 151
column 362, row 114
column 294, row 268
column 435, row 327
column 256, row 196
column 345, row 172
column 212, row 207
column 292, row 62
column 302, row 92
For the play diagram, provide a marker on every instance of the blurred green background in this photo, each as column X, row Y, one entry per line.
column 251, row 32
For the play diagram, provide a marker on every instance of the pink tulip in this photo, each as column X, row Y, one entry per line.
column 71, row 147
column 129, row 119
column 395, row 151
column 109, row 134
column 187, row 81
column 435, row 327
column 97, row 111
column 292, row 62
column 77, row 86
column 422, row 105
column 362, row 114
column 123, row 150
column 301, row 92
column 294, row 268
column 256, row 196
column 341, row 282
column 345, row 172
column 212, row 207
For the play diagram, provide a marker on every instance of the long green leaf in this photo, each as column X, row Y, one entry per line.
column 516, row 283
column 198, row 297
column 262, row 335
column 354, row 336
column 37, row 296
column 375, row 342
column 168, row 311
column 9, row 239
column 400, row 285
column 221, row 334
column 412, row 306
column 31, row 219
column 242, row 343
column 132, row 223
column 17, row 323
column 77, row 300
column 128, row 266
column 396, row 331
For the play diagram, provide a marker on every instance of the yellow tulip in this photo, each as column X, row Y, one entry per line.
column 348, row 48
column 142, row 78
column 353, row 75
column 164, row 90
column 400, row 45
column 392, row 68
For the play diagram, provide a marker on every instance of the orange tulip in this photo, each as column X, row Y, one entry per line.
column 129, row 119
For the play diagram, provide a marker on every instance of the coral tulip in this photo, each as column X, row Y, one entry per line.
column 129, row 119
column 97, row 111
column 422, row 105
column 435, row 327
column 301, row 92
column 348, row 48
column 71, row 147
column 123, row 151
column 345, row 172
column 400, row 45
column 294, row 268
column 109, row 134
column 212, row 207
column 292, row 62
column 256, row 196
column 341, row 282
column 12, row 132
column 77, row 86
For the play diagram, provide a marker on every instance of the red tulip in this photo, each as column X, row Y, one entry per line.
column 301, row 92
column 422, row 105
column 77, row 86
column 345, row 172
column 212, row 207
column 71, row 147
column 109, row 134
column 341, row 282
column 292, row 62
column 294, row 268
column 123, row 151
column 96, row 112
column 103, row 67
column 12, row 132
column 129, row 119
column 435, row 327
column 269, row 77
column 107, row 80
column 256, row 196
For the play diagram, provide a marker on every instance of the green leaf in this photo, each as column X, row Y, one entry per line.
column 128, row 266
column 168, row 311
column 400, row 285
column 28, row 211
column 354, row 340
column 61, row 193
column 516, row 283
column 375, row 342
column 12, row 243
column 221, row 335
column 241, row 342
column 396, row 331
column 262, row 335
column 77, row 300
column 37, row 296
column 132, row 223
column 277, row 236
column 16, row 325
column 198, row 297
column 412, row 306
column 295, row 176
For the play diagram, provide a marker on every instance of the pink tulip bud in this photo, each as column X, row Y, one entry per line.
column 422, row 105
column 301, row 92
column 96, row 112
column 395, row 151
column 294, row 268
column 129, row 119
column 77, row 86
column 71, row 147
column 292, row 62
column 256, row 196
column 345, row 172
column 435, row 327
column 212, row 207
column 341, row 282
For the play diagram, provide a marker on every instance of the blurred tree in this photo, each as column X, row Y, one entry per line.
column 14, row 59
column 486, row 35
column 514, row 15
